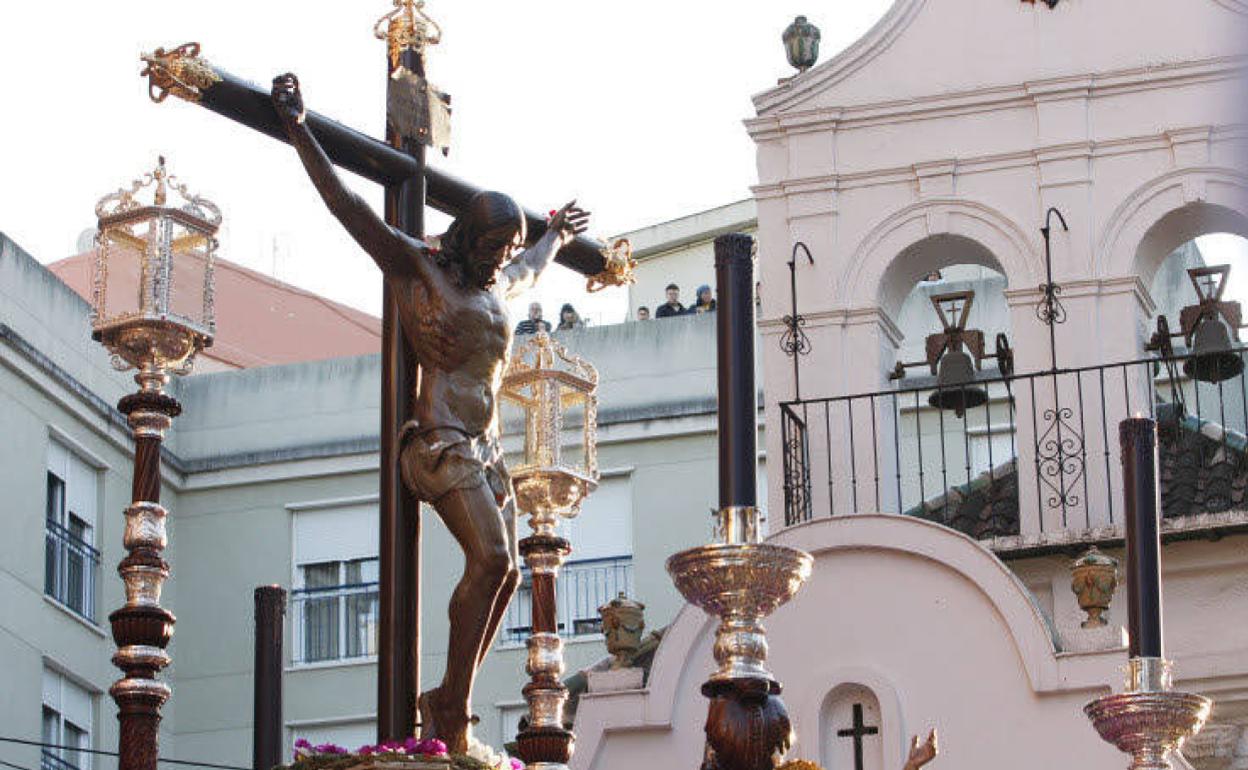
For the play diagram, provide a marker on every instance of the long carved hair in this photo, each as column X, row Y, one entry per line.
column 486, row 212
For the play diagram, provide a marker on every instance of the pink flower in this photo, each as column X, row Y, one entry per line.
column 330, row 748
column 516, row 764
column 431, row 747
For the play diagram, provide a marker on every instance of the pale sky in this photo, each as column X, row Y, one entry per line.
column 633, row 108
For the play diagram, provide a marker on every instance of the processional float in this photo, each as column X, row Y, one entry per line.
column 417, row 118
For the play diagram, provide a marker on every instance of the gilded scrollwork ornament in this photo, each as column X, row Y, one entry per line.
column 179, row 71
column 619, row 265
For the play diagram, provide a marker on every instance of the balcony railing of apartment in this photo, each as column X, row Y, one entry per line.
column 48, row 760
column 70, row 570
column 582, row 588
column 334, row 623
column 1043, row 448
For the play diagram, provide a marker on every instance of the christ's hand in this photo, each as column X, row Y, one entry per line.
column 569, row 221
column 287, row 99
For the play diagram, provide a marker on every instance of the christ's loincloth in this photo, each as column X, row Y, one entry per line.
column 436, row 461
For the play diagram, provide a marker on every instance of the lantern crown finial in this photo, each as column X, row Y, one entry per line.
column 126, row 199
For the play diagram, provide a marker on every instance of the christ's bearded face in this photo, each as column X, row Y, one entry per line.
column 494, row 249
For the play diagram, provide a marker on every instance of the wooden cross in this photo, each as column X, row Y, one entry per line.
column 399, row 165
column 857, row 732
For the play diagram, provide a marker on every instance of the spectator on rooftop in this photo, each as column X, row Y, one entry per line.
column 534, row 323
column 704, row 303
column 643, row 313
column 672, row 306
column 569, row 318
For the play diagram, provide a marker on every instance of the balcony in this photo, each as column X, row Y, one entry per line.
column 334, row 623
column 1040, row 455
column 71, row 568
column 582, row 588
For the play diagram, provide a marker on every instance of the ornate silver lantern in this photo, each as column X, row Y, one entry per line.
column 557, row 393
column 801, row 44
column 152, row 304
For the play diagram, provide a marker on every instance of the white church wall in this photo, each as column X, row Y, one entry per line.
column 942, row 633
column 889, row 170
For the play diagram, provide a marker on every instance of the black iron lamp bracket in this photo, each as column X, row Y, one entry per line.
column 794, row 342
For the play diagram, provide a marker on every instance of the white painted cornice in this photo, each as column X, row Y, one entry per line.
column 996, row 97
column 1027, row 296
column 843, row 317
column 979, row 164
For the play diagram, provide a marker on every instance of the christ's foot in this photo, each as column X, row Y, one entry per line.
column 444, row 721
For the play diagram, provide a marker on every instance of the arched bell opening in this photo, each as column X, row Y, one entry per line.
column 1199, row 387
column 956, row 426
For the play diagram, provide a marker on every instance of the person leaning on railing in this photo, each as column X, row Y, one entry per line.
column 672, row 307
column 705, row 303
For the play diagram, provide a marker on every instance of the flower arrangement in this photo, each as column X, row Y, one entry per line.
column 330, row 756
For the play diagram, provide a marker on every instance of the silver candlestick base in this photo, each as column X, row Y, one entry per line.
column 741, row 581
column 1149, row 720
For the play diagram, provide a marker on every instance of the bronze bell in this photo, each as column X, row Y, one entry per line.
column 954, row 389
column 1211, row 357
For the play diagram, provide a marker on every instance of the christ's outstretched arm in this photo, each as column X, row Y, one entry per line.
column 385, row 245
column 521, row 273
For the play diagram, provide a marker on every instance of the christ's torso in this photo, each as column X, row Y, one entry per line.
column 462, row 339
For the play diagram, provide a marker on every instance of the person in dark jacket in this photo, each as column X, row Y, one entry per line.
column 534, row 323
column 672, row 306
column 705, row 303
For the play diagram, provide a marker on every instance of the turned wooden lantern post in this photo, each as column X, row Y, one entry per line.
column 152, row 310
column 557, row 396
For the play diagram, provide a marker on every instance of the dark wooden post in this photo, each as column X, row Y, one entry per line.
column 738, row 398
column 266, row 728
column 1137, row 439
column 398, row 658
column 142, row 628
column 545, row 742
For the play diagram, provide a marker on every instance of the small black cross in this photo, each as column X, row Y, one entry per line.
column 856, row 732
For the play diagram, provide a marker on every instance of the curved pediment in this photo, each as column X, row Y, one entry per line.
column 926, row 48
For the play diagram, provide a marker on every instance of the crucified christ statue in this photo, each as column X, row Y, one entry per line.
column 451, row 307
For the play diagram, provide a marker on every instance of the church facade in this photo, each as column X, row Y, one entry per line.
column 938, row 142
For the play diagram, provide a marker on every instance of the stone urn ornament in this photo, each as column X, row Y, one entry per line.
column 623, row 621
column 801, row 44
column 1094, row 576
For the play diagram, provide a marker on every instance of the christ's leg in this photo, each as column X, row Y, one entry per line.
column 473, row 518
column 510, row 585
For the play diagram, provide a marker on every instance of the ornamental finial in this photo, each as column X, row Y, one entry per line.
column 407, row 26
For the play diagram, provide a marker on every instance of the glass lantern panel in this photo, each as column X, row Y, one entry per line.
column 123, row 248
column 189, row 251
column 512, row 420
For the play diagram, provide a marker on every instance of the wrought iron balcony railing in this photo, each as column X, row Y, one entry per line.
column 48, row 760
column 1042, row 449
column 71, row 568
column 583, row 587
column 334, row 623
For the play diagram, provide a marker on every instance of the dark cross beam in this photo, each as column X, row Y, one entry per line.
column 400, row 167
column 857, row 732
